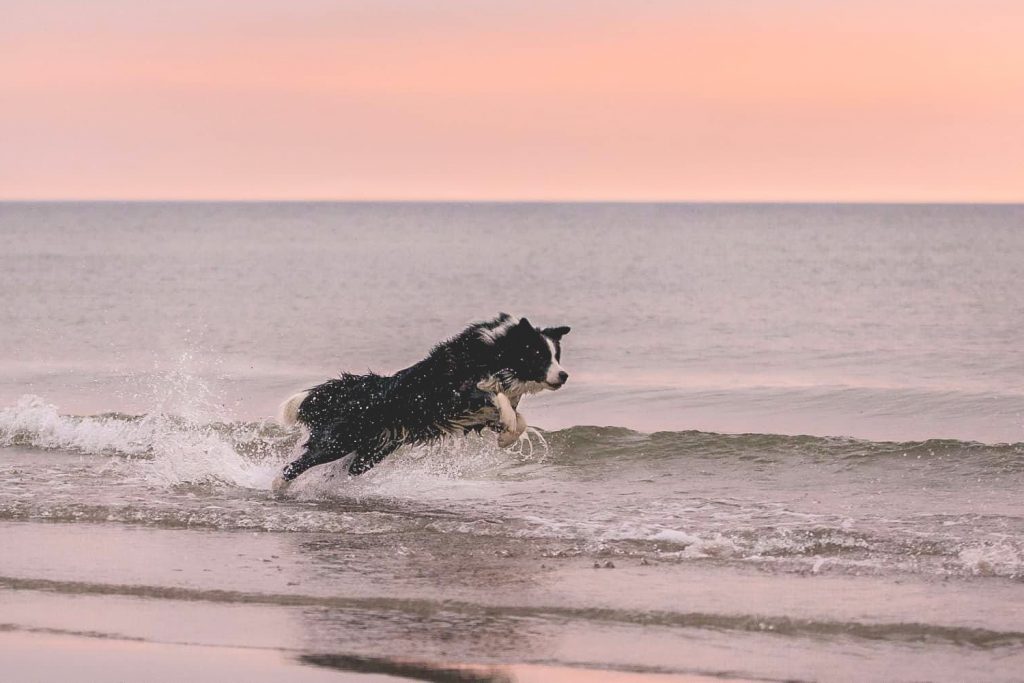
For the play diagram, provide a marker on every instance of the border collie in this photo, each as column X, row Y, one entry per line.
column 471, row 382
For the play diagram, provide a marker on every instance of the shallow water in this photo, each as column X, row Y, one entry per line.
column 812, row 462
column 939, row 507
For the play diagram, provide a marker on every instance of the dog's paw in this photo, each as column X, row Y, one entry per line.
column 506, row 439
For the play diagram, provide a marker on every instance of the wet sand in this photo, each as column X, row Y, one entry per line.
column 106, row 602
column 48, row 656
column 87, row 603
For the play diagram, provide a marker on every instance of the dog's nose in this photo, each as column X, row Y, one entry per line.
column 562, row 376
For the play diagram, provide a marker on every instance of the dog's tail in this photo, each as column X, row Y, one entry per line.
column 289, row 413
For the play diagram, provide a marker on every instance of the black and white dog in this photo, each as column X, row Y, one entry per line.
column 470, row 382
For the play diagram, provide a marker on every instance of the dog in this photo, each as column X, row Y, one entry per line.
column 473, row 381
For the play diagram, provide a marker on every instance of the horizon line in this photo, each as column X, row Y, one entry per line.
column 327, row 200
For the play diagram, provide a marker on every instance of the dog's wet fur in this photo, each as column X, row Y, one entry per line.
column 473, row 381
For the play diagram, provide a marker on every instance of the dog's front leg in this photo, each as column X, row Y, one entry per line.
column 512, row 423
column 507, row 418
column 520, row 425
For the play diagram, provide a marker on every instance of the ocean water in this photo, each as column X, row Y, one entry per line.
column 791, row 447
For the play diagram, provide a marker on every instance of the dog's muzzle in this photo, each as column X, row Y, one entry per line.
column 563, row 376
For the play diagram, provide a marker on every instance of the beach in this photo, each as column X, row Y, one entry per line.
column 279, row 601
column 791, row 447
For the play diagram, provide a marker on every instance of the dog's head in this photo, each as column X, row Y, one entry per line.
column 530, row 355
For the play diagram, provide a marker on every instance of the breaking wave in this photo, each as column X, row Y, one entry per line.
column 232, row 448
column 245, row 454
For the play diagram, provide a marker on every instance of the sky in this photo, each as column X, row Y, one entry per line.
column 688, row 100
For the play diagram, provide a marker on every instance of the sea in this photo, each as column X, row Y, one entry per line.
column 791, row 446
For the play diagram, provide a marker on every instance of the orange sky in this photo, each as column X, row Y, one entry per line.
column 779, row 100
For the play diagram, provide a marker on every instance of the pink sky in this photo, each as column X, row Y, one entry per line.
column 815, row 100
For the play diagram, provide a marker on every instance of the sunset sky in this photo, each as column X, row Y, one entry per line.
column 816, row 100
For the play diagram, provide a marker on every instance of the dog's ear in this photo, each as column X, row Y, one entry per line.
column 556, row 333
column 525, row 324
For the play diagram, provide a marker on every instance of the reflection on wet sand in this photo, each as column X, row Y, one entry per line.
column 415, row 670
column 450, row 620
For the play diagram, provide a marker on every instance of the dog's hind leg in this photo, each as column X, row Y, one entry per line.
column 296, row 467
column 320, row 449
column 367, row 458
column 308, row 459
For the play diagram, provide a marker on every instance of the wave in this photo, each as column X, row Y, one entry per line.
column 180, row 450
column 232, row 447
column 618, row 441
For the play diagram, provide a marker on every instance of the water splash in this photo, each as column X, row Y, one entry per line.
column 169, row 449
column 184, row 438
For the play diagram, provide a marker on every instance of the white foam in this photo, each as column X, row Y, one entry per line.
column 1002, row 558
column 169, row 449
column 34, row 422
